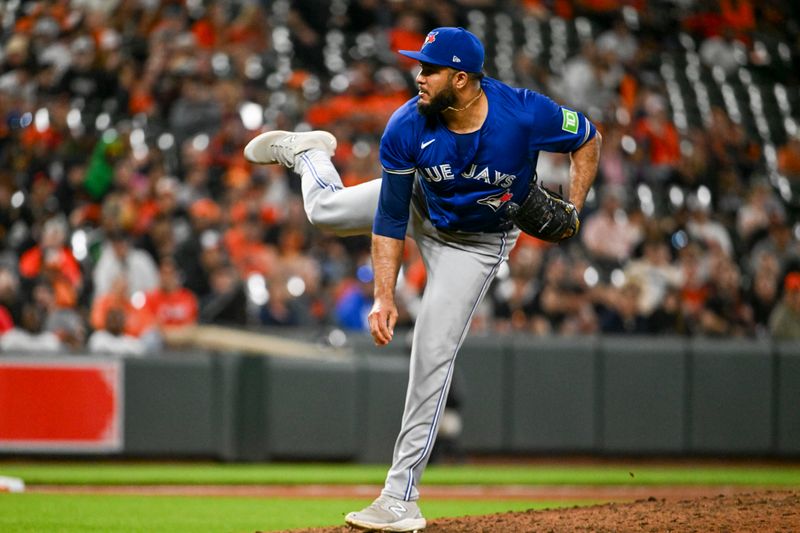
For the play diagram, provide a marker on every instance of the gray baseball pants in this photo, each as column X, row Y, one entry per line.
column 460, row 267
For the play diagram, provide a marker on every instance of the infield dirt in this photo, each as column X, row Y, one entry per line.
column 762, row 512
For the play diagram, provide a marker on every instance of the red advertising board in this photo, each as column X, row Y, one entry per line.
column 61, row 405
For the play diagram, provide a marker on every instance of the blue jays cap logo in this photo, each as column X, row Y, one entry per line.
column 455, row 48
column 429, row 39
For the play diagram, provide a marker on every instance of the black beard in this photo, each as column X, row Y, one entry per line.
column 438, row 103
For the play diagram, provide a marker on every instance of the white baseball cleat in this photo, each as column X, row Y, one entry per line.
column 388, row 514
column 281, row 147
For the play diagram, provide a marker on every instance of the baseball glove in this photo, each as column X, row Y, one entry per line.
column 545, row 215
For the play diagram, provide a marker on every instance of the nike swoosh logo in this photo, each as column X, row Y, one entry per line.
column 426, row 144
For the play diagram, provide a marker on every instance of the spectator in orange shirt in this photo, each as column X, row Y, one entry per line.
column 67, row 323
column 138, row 320
column 211, row 28
column 10, row 298
column 361, row 167
column 659, row 136
column 406, row 35
column 171, row 304
column 6, row 320
column 739, row 15
column 789, row 159
column 247, row 249
column 113, row 339
column 784, row 322
column 53, row 259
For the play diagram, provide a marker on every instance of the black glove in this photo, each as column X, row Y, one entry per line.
column 545, row 215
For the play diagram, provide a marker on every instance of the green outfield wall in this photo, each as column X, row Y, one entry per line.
column 515, row 395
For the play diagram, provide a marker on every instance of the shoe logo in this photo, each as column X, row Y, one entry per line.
column 398, row 509
column 426, row 144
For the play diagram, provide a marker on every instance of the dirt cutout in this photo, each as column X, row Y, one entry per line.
column 760, row 512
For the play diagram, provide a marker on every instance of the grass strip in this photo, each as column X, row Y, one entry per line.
column 111, row 473
column 189, row 514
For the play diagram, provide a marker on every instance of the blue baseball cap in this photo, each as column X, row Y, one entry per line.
column 450, row 47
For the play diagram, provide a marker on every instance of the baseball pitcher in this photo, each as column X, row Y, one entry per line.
column 459, row 162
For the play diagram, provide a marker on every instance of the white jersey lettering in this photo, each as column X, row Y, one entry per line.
column 438, row 173
column 503, row 180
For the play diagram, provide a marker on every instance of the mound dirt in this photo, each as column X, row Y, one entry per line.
column 762, row 512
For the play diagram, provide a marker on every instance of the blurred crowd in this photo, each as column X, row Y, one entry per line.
column 127, row 209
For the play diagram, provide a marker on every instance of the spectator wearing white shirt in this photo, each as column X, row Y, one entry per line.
column 609, row 235
column 29, row 336
column 618, row 42
column 655, row 275
column 707, row 230
column 120, row 257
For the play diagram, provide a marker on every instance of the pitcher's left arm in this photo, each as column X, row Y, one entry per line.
column 583, row 169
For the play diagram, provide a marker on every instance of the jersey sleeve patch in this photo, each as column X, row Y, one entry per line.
column 570, row 121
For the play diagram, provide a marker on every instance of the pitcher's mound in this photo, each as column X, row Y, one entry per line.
column 762, row 512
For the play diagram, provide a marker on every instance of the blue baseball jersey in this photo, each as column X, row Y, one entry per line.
column 468, row 178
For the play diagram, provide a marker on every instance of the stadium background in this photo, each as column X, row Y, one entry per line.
column 124, row 121
column 121, row 135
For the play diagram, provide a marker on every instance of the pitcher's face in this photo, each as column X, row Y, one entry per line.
column 436, row 90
